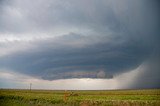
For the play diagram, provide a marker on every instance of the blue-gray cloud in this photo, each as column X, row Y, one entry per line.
column 78, row 39
column 59, row 59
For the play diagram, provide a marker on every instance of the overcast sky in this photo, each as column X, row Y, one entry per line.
column 79, row 44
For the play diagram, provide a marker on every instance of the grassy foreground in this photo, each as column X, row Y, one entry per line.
column 80, row 98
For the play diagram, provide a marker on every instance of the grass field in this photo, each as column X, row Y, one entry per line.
column 80, row 98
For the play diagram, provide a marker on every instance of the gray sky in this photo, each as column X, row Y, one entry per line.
column 107, row 44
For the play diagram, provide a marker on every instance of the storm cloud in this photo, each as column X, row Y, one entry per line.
column 61, row 39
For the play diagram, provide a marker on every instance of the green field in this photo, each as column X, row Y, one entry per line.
column 80, row 98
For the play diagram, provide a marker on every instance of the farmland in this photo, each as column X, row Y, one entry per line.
column 150, row 97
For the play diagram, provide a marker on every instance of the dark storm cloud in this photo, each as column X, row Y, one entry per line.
column 69, row 58
column 27, row 16
column 111, row 37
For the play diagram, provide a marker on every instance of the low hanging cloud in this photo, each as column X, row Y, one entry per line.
column 55, row 39
column 76, row 57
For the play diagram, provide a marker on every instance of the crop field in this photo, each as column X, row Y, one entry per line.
column 12, row 97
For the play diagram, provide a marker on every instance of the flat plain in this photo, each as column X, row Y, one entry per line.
column 15, row 97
